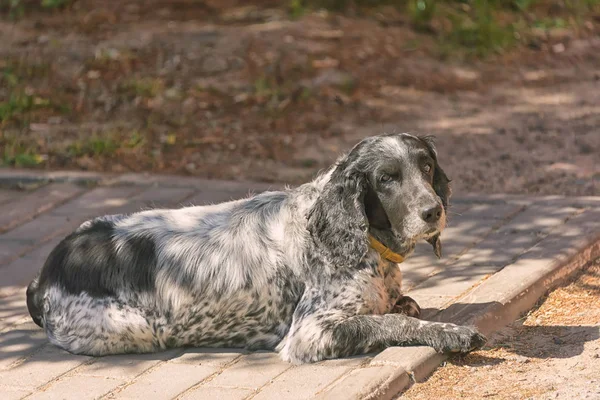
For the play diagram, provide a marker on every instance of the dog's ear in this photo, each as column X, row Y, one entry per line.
column 337, row 222
column 441, row 186
column 441, row 182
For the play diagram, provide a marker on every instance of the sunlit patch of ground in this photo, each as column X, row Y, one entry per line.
column 552, row 353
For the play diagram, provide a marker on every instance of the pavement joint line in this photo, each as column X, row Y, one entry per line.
column 454, row 259
column 10, row 326
column 210, row 377
column 133, row 380
column 67, row 228
column 390, row 381
column 537, row 290
column 29, row 249
column 58, row 378
column 257, row 391
column 52, row 381
column 503, row 264
column 366, row 362
column 27, row 357
column 39, row 211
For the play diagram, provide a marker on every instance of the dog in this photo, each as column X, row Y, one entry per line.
column 311, row 272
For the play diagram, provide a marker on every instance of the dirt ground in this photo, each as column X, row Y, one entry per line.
column 207, row 89
column 551, row 353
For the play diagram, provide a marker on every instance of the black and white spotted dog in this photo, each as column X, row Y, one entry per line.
column 311, row 272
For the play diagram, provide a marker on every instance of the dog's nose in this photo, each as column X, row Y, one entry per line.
column 432, row 214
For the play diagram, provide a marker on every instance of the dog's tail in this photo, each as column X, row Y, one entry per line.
column 34, row 302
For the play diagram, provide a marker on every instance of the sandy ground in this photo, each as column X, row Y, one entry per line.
column 551, row 353
column 203, row 89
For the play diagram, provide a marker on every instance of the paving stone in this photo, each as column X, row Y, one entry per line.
column 34, row 203
column 540, row 217
column 217, row 393
column 500, row 248
column 488, row 211
column 166, row 381
column 12, row 393
column 21, row 271
column 11, row 248
column 19, row 175
column 126, row 366
column 456, row 240
column 430, row 304
column 17, row 274
column 42, row 227
column 96, row 200
column 252, row 371
column 453, row 280
column 556, row 249
column 78, row 387
column 361, row 383
column 20, row 342
column 12, row 308
column 491, row 232
column 157, row 197
column 209, row 356
column 44, row 366
column 195, row 183
column 215, row 197
column 418, row 360
column 8, row 195
column 301, row 382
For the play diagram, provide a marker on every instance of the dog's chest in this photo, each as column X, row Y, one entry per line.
column 382, row 288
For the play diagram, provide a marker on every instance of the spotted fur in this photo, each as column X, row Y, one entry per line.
column 288, row 270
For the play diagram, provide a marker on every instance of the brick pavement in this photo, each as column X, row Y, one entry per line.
column 501, row 254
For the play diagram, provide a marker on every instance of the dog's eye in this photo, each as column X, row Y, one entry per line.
column 385, row 178
column 427, row 168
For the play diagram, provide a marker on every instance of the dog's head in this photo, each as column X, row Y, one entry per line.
column 388, row 186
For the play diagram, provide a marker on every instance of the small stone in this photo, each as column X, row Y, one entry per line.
column 173, row 93
column 241, row 97
column 331, row 77
column 558, row 48
column 214, row 64
column 327, row 62
column 93, row 74
column 38, row 127
column 559, row 34
column 190, row 167
column 189, row 104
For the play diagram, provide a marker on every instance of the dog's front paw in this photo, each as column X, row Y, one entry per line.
column 459, row 339
column 407, row 306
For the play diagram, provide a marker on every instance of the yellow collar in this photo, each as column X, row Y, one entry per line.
column 384, row 251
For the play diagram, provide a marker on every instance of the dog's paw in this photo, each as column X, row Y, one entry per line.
column 460, row 339
column 407, row 306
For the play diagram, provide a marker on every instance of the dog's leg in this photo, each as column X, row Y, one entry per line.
column 329, row 335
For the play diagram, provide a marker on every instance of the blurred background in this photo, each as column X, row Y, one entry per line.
column 275, row 90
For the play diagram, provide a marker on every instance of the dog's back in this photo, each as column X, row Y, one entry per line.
column 160, row 278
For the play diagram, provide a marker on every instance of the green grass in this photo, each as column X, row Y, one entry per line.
column 18, row 104
column 16, row 9
column 17, row 152
column 55, row 3
column 421, row 13
column 95, row 146
column 143, row 87
column 472, row 27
